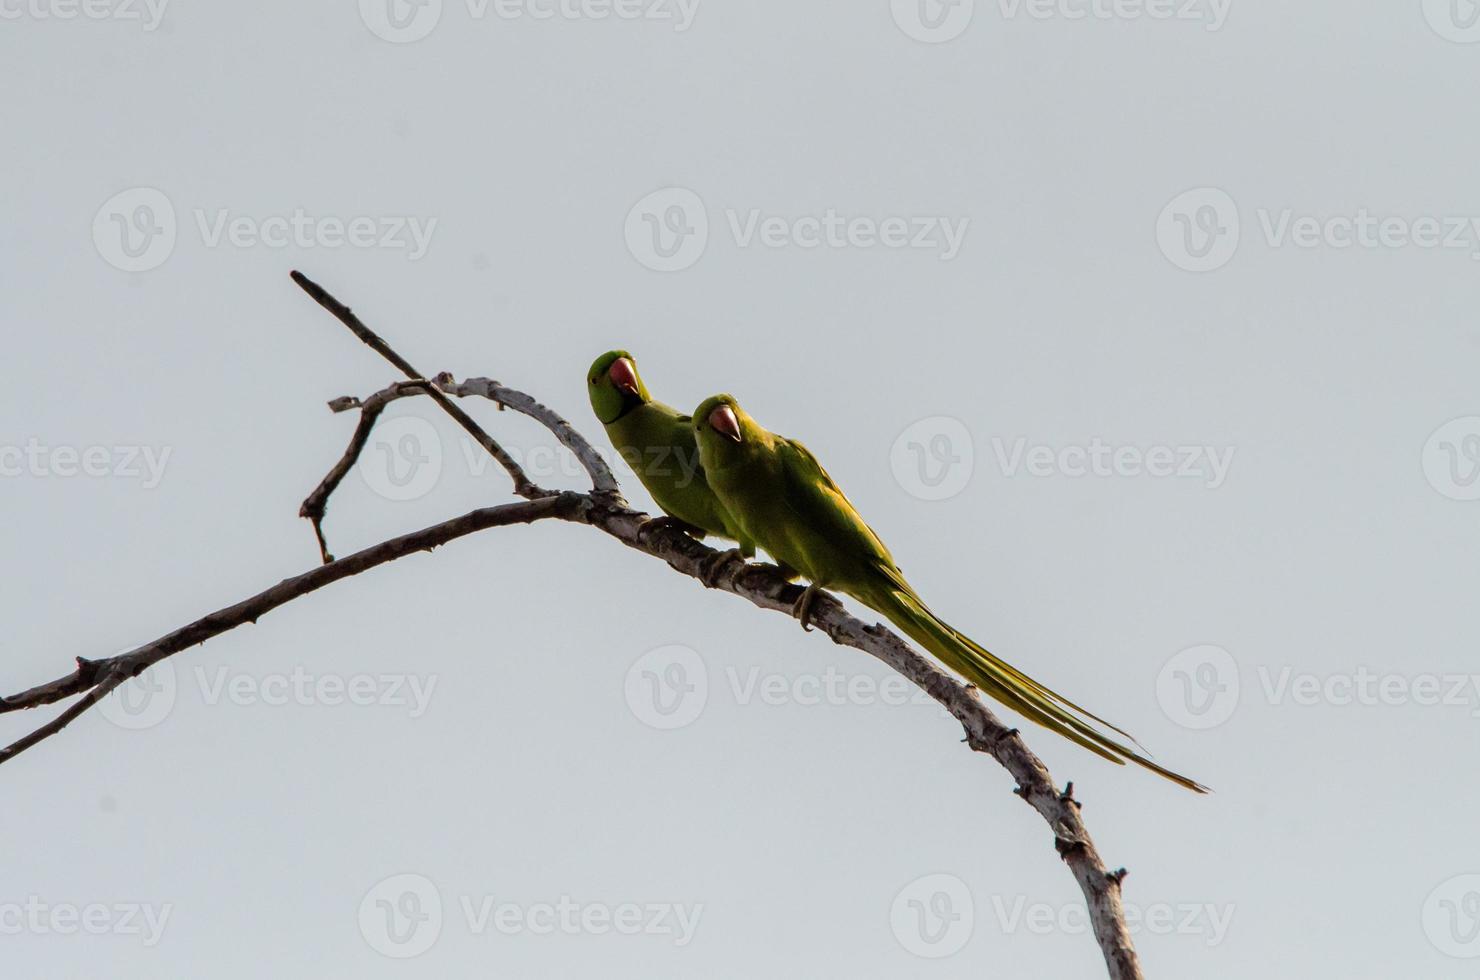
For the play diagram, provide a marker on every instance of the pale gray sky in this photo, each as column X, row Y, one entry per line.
column 1147, row 342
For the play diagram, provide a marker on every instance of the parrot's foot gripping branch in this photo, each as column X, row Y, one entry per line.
column 713, row 567
column 803, row 608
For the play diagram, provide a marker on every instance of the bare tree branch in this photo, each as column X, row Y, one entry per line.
column 605, row 510
column 602, row 480
column 317, row 502
column 764, row 586
column 91, row 674
column 523, row 487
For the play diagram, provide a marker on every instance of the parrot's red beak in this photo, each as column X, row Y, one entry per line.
column 723, row 421
column 623, row 375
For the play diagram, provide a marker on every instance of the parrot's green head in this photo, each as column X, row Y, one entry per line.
column 723, row 429
column 614, row 386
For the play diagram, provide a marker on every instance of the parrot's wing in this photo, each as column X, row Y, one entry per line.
column 817, row 501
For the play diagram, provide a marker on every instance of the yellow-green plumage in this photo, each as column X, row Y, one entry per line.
column 783, row 500
column 657, row 442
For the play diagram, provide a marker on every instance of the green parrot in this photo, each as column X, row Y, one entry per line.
column 658, row 443
column 784, row 501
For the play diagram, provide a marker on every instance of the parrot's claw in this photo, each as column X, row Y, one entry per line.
column 803, row 608
column 715, row 565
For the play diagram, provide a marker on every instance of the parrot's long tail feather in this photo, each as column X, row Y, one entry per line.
column 999, row 679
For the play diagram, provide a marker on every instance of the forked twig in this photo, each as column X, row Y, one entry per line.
column 523, row 486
